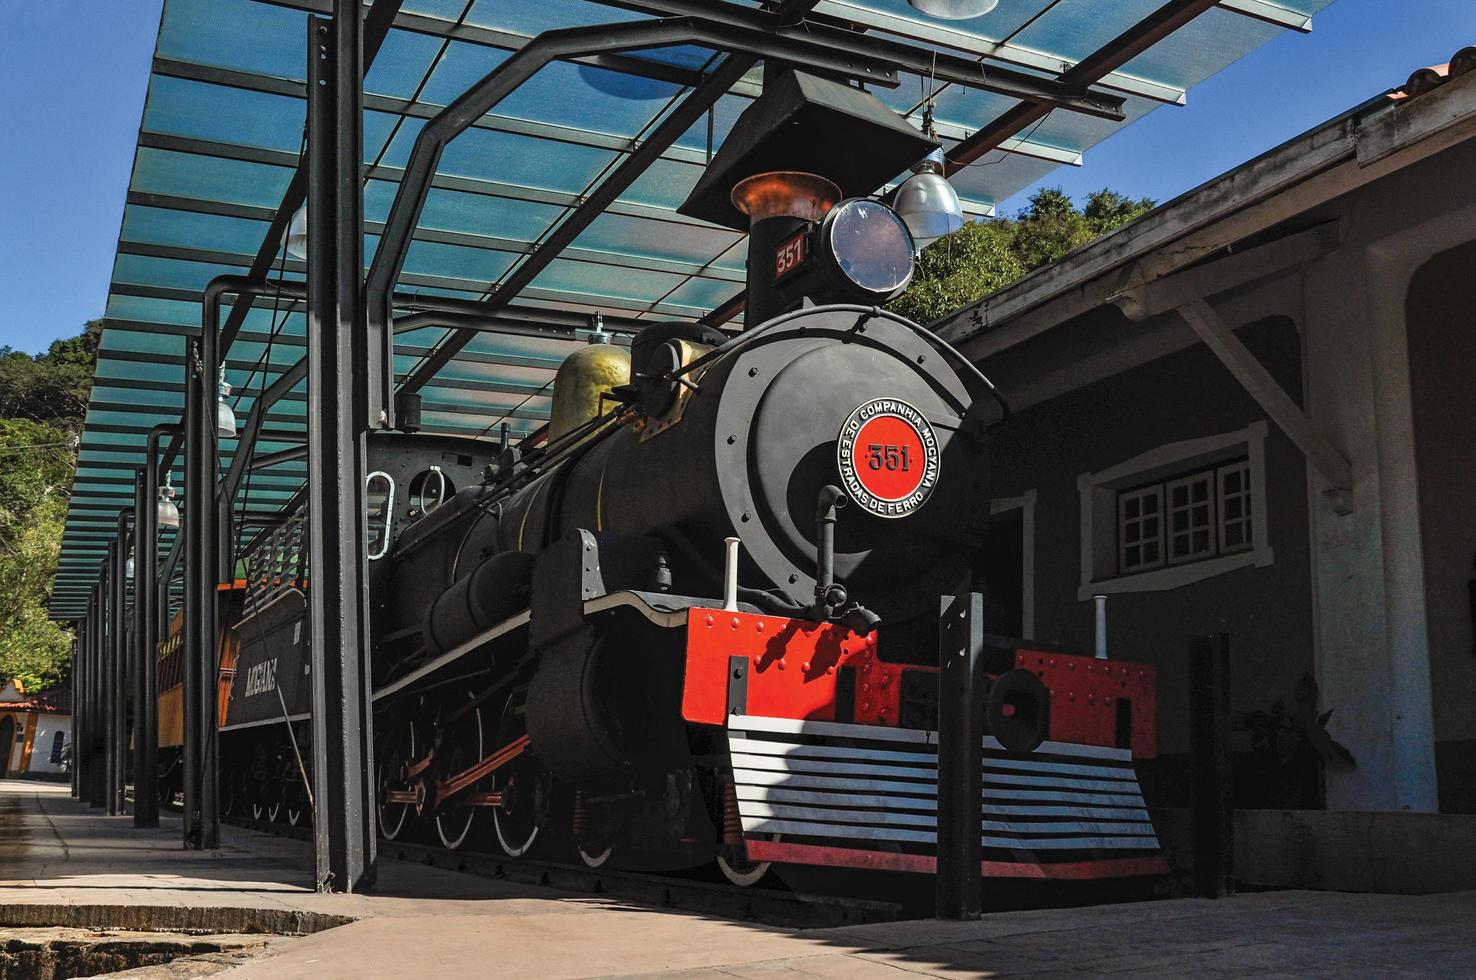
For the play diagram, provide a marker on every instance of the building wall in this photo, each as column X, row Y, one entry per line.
column 1442, row 362
column 1184, row 395
column 47, row 728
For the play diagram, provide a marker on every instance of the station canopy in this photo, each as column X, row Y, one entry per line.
column 222, row 135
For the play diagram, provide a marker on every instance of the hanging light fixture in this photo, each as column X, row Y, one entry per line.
column 296, row 239
column 225, row 416
column 926, row 201
column 954, row 9
column 166, row 511
column 128, row 565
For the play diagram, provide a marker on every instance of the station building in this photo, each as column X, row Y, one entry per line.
column 35, row 731
column 1249, row 411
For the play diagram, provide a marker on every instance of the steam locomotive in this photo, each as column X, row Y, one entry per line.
column 697, row 614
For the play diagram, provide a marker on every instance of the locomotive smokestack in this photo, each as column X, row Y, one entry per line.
column 780, row 205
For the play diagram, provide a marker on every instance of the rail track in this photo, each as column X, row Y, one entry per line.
column 767, row 906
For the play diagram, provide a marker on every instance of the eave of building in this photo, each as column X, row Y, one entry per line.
column 1373, row 140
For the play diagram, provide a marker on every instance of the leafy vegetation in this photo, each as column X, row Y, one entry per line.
column 43, row 401
column 985, row 256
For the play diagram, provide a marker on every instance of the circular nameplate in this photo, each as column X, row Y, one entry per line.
column 888, row 457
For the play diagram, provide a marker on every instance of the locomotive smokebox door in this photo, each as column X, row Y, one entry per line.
column 877, row 414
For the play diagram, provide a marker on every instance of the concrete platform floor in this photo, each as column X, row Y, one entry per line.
column 61, row 861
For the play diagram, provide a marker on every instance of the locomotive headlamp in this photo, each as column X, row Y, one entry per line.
column 866, row 249
column 954, row 9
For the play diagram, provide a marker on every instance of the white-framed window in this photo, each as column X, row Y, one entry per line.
column 1140, row 528
column 1177, row 514
column 1236, row 506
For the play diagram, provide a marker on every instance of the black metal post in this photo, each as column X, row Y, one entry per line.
column 100, row 687
column 110, row 704
column 337, row 354
column 118, row 668
column 79, row 708
column 93, row 747
column 72, row 735
column 1212, row 814
column 144, row 512
column 961, row 691
column 147, row 590
column 199, row 593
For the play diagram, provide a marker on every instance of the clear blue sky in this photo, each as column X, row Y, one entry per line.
column 73, row 74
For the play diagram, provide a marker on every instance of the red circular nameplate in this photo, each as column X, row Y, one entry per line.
column 888, row 457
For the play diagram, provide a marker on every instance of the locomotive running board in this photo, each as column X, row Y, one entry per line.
column 641, row 602
column 865, row 796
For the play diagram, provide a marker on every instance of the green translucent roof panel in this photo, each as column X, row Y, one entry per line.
column 222, row 133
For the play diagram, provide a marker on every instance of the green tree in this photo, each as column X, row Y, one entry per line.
column 51, row 388
column 984, row 256
column 43, row 401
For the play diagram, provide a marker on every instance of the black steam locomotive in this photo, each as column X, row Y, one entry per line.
column 696, row 615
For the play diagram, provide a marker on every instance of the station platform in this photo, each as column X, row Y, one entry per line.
column 249, row 907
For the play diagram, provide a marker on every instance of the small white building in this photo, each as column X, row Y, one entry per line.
column 34, row 731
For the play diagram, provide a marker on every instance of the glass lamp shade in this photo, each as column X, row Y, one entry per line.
column 225, row 416
column 296, row 240
column 225, row 420
column 128, row 566
column 927, row 202
column 166, row 513
column 954, row 9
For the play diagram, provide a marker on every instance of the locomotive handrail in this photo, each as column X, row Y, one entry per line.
column 868, row 313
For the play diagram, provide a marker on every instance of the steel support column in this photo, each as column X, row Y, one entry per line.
column 148, row 590
column 338, row 356
column 202, row 541
column 95, row 717
column 1212, row 805
column 118, row 667
column 76, row 667
column 80, row 708
column 109, row 798
column 961, row 688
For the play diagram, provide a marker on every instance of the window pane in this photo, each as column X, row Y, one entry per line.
column 1191, row 517
column 1138, row 529
column 1234, row 493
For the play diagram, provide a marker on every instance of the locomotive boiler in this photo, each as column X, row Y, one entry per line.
column 696, row 616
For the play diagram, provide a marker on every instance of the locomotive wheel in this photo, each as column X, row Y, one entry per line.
column 294, row 796
column 594, row 858
column 460, row 745
column 523, row 784
column 388, row 765
column 745, row 873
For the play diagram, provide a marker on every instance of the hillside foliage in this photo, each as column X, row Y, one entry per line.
column 984, row 256
column 43, row 401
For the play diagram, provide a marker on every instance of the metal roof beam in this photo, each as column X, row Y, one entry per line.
column 1271, row 13
column 468, row 185
column 293, row 88
column 1113, row 55
column 485, row 243
column 490, row 37
column 904, row 56
column 937, row 32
